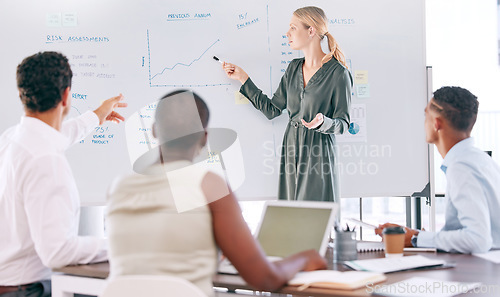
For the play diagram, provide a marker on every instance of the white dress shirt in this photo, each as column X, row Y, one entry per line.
column 39, row 201
column 473, row 193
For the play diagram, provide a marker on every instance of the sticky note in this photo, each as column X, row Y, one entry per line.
column 240, row 99
column 361, row 77
column 53, row 19
column 69, row 20
column 213, row 157
column 363, row 90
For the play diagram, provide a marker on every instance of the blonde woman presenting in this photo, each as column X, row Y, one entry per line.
column 316, row 91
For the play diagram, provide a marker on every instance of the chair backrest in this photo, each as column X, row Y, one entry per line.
column 151, row 286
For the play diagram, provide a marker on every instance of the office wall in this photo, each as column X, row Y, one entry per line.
column 462, row 48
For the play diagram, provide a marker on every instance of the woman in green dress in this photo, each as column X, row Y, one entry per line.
column 316, row 91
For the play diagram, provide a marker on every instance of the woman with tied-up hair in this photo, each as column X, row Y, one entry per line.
column 316, row 91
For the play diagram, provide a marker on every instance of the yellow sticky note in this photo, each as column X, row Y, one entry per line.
column 361, row 77
column 240, row 99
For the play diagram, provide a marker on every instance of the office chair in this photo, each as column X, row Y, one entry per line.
column 151, row 286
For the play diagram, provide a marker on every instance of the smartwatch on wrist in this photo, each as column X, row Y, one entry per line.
column 414, row 240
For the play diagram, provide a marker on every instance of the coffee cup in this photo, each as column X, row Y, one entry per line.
column 394, row 241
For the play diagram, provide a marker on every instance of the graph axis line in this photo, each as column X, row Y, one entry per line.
column 149, row 60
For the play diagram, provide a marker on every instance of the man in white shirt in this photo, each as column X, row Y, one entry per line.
column 472, row 191
column 39, row 202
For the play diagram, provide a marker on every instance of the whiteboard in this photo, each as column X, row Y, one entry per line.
column 144, row 49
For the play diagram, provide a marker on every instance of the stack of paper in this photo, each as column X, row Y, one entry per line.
column 385, row 265
column 493, row 256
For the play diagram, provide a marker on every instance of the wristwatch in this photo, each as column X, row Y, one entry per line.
column 414, row 240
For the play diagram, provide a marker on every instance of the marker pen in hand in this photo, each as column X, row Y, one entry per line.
column 223, row 63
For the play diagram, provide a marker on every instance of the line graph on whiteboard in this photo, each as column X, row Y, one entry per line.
column 179, row 64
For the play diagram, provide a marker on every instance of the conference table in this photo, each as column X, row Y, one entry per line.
column 90, row 279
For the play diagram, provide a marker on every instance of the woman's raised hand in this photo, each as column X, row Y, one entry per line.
column 235, row 72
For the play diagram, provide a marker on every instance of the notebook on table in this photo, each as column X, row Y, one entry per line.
column 289, row 227
column 370, row 246
column 378, row 246
column 339, row 280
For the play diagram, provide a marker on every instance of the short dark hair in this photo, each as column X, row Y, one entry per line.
column 42, row 79
column 458, row 106
column 177, row 121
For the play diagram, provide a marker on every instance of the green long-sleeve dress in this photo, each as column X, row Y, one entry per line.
column 308, row 169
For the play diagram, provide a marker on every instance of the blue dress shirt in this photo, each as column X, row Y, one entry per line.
column 473, row 193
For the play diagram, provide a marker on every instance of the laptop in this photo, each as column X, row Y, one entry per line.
column 289, row 227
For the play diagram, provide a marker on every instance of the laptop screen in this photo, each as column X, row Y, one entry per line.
column 290, row 227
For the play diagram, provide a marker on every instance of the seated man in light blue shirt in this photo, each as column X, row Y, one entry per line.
column 473, row 178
